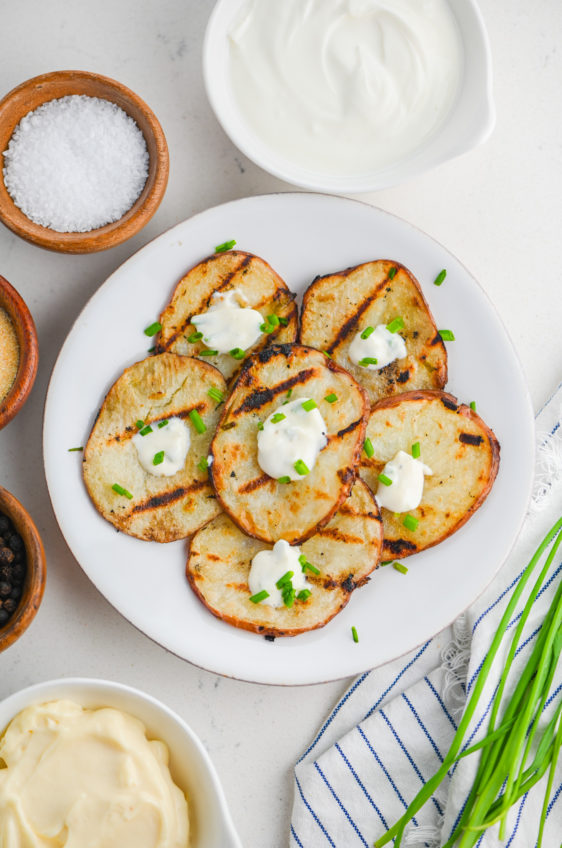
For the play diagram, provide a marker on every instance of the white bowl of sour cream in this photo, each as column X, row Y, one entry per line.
column 349, row 95
column 109, row 745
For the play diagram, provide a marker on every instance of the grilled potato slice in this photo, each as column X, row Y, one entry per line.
column 261, row 506
column 455, row 443
column 345, row 551
column 337, row 306
column 162, row 509
column 258, row 283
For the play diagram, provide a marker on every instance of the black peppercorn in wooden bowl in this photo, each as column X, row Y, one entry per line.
column 22, row 569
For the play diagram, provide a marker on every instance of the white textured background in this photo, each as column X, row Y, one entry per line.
column 498, row 209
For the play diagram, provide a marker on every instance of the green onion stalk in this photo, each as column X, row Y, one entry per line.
column 506, row 771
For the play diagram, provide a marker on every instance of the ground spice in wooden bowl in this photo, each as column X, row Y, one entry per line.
column 9, row 353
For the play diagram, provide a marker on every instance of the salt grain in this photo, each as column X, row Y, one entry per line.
column 76, row 163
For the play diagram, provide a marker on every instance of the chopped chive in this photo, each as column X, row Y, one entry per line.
column 367, row 332
column 75, row 449
column 447, row 335
column 368, row 448
column 354, row 634
column 197, row 421
column 273, row 320
column 440, row 277
column 286, row 578
column 385, row 562
column 203, row 463
column 304, row 595
column 473, row 405
column 158, row 458
column 386, row 481
column 260, row 596
column 153, row 329
column 260, row 425
column 226, row 245
column 266, row 328
column 151, row 350
column 194, row 337
column 392, row 273
column 395, row 325
column 208, row 352
column 331, row 398
column 283, row 321
column 289, row 393
column 307, row 566
column 285, row 479
column 278, row 417
column 399, row 567
column 139, row 424
column 301, row 467
column 367, row 360
column 237, row 353
column 121, row 491
column 145, row 430
column 410, row 522
column 416, row 450
column 289, row 597
column 308, row 405
column 163, row 423
column 215, row 394
column 329, row 355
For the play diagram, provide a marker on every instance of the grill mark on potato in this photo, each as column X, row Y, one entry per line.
column 448, row 404
column 166, row 498
column 260, row 397
column 436, row 340
column 254, row 484
column 470, row 439
column 353, row 320
column 230, row 276
column 399, row 546
column 130, row 431
column 339, row 536
column 349, row 429
column 403, row 377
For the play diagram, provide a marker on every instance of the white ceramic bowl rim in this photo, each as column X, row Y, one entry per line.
column 469, row 123
column 210, row 818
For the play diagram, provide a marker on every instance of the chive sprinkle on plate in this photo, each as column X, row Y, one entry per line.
column 368, row 448
column 331, row 398
column 440, row 277
column 197, row 421
column 226, row 245
column 367, row 332
column 278, row 417
column 301, row 467
column 259, row 597
column 354, row 634
column 386, row 481
column 395, row 325
column 215, row 394
column 237, row 353
column 194, row 337
column 145, row 430
column 208, row 352
column 158, row 458
column 472, row 405
column 285, row 479
column 367, row 360
column 304, row 595
column 392, row 273
column 416, row 450
column 203, row 463
column 399, row 567
column 153, row 329
column 410, row 522
column 308, row 405
column 163, row 423
column 121, row 491
column 75, row 449
column 447, row 335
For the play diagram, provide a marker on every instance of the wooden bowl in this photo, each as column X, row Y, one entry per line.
column 33, row 93
column 26, row 335
column 34, row 585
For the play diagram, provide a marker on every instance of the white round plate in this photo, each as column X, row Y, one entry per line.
column 300, row 235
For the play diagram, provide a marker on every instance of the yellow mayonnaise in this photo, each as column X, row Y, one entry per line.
column 87, row 778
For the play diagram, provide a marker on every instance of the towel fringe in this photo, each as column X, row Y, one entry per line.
column 423, row 836
column 548, row 471
column 454, row 665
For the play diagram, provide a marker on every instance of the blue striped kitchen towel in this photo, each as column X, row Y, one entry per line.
column 390, row 731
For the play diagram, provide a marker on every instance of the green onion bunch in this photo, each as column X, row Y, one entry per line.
column 515, row 753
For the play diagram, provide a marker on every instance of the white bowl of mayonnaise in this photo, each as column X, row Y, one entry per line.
column 349, row 95
column 91, row 755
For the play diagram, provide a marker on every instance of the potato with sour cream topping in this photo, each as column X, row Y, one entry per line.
column 90, row 778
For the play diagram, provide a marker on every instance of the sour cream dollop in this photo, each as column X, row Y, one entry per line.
column 269, row 566
column 381, row 345
column 407, row 475
column 345, row 86
column 84, row 777
column 227, row 324
column 299, row 434
column 173, row 439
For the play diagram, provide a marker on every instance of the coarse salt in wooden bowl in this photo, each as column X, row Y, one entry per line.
column 26, row 335
column 34, row 581
column 39, row 90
